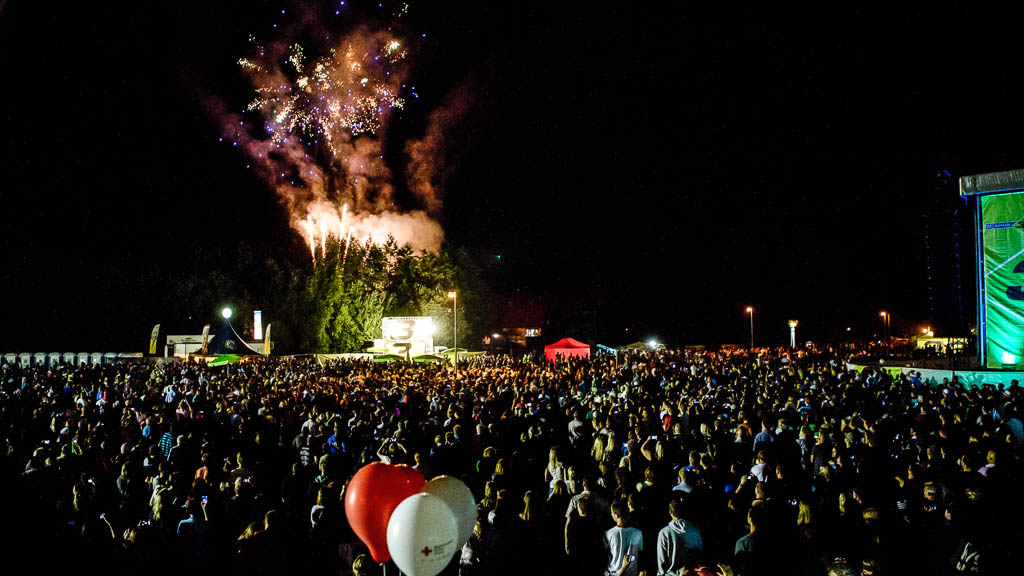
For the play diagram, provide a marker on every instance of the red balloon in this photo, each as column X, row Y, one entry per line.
column 413, row 475
column 372, row 495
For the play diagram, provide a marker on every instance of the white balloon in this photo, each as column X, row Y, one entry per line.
column 422, row 535
column 459, row 499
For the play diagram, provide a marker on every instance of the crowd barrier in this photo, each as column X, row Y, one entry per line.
column 969, row 378
column 321, row 358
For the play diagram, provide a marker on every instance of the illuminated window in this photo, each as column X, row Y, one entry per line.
column 532, row 332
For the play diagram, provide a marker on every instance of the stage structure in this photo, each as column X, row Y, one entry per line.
column 999, row 226
column 408, row 335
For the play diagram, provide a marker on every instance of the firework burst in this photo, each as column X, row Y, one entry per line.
column 314, row 129
column 347, row 92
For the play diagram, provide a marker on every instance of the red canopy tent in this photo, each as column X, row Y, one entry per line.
column 567, row 348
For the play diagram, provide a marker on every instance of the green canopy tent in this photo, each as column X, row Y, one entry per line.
column 388, row 358
column 642, row 347
column 225, row 359
column 449, row 354
column 451, row 351
column 427, row 358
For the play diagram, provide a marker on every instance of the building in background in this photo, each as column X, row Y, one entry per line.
column 523, row 321
column 949, row 255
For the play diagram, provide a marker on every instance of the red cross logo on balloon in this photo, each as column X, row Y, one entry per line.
column 426, row 551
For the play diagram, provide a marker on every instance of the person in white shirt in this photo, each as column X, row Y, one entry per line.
column 170, row 393
column 687, row 481
column 577, row 429
column 761, row 470
column 624, row 544
column 555, row 470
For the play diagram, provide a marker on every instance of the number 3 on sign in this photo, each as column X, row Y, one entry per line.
column 403, row 329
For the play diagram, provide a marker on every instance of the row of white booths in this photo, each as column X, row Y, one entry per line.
column 49, row 359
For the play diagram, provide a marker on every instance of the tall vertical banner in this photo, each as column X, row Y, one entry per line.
column 153, row 337
column 1002, row 220
column 257, row 325
column 206, row 339
column 266, row 340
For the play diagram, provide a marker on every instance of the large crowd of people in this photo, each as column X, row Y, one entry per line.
column 661, row 463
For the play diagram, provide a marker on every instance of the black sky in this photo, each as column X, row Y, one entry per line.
column 660, row 166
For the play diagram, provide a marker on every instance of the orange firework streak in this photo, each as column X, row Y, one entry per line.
column 312, row 242
column 348, row 240
column 366, row 253
column 323, row 239
column 341, row 225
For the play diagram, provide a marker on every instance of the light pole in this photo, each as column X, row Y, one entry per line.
column 886, row 325
column 455, row 328
column 226, row 314
column 750, row 310
column 792, row 333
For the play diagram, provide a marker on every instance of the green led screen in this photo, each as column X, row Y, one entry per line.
column 1002, row 220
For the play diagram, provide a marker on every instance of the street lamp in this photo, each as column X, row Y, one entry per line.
column 455, row 328
column 225, row 313
column 750, row 310
column 887, row 324
column 792, row 333
column 499, row 340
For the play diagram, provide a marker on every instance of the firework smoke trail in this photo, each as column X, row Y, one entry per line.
column 341, row 225
column 366, row 253
column 312, row 242
column 323, row 239
column 344, row 256
column 429, row 166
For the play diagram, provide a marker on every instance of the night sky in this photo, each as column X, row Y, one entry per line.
column 656, row 168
